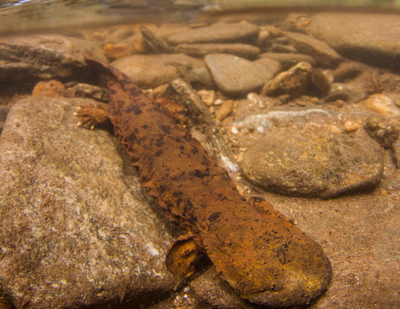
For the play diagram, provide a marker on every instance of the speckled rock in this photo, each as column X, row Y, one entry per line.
column 218, row 32
column 371, row 38
column 77, row 229
column 235, row 75
column 322, row 53
column 44, row 56
column 293, row 82
column 384, row 130
column 237, row 49
column 314, row 163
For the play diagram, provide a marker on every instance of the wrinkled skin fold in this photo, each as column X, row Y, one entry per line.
column 256, row 250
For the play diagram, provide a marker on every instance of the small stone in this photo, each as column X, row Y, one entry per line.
column 235, row 75
column 314, row 163
column 382, row 104
column 198, row 50
column 207, row 96
column 117, row 51
column 293, row 82
column 216, row 33
column 320, row 81
column 384, row 130
column 264, row 38
column 234, row 130
column 351, row 126
column 52, row 88
column 225, row 110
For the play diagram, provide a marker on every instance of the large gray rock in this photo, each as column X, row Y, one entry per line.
column 76, row 227
column 44, row 56
column 237, row 75
column 314, row 163
column 371, row 38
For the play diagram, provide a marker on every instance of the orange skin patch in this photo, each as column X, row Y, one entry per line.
column 255, row 249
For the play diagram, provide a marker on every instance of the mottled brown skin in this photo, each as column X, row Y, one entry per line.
column 263, row 257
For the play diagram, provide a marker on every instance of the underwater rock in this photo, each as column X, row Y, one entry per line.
column 384, row 130
column 147, row 71
column 52, row 88
column 77, row 228
column 288, row 60
column 370, row 38
column 323, row 54
column 235, row 75
column 44, row 56
column 216, row 33
column 314, row 163
column 237, row 49
column 293, row 82
column 150, row 71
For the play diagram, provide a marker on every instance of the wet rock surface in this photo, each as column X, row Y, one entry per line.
column 371, row 38
column 314, row 163
column 73, row 213
column 44, row 56
column 228, row 73
column 329, row 132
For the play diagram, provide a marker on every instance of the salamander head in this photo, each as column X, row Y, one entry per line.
column 270, row 262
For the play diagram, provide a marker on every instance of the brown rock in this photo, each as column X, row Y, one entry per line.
column 225, row 110
column 77, row 229
column 216, row 33
column 236, row 75
column 117, row 51
column 289, row 60
column 323, row 54
column 147, row 71
column 370, row 38
column 52, row 88
column 293, row 82
column 240, row 50
column 314, row 163
column 44, row 57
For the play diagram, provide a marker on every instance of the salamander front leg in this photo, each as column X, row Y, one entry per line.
column 92, row 116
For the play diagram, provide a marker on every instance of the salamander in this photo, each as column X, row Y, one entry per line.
column 264, row 257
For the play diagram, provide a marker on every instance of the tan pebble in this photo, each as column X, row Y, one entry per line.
column 382, row 104
column 207, row 96
column 117, row 51
column 52, row 88
column 234, row 130
column 351, row 126
column 225, row 110
column 218, row 102
column 334, row 129
column 99, row 36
